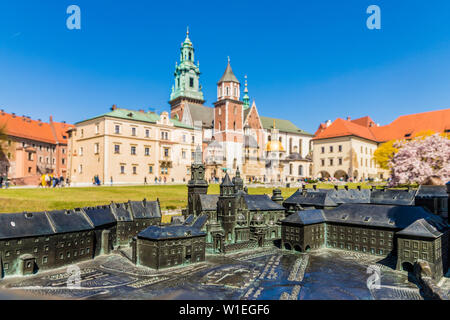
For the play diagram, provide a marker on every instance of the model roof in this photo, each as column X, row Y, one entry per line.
column 393, row 196
column 432, row 192
column 311, row 198
column 100, row 215
column 261, row 202
column 145, row 209
column 121, row 211
column 208, row 201
column 421, row 228
column 169, row 232
column 390, row 216
column 306, row 217
column 64, row 221
column 20, row 225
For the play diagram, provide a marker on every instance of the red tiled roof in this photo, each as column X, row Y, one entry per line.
column 401, row 128
column 364, row 121
column 23, row 127
column 341, row 127
column 437, row 121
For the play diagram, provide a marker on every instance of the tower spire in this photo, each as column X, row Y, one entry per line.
column 187, row 74
column 246, row 98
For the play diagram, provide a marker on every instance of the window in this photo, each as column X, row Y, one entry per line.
column 331, row 148
column 340, row 161
column 81, row 152
column 322, row 162
column 117, row 129
column 331, row 162
column 191, row 81
column 133, row 131
column 193, row 139
column 322, row 150
column 97, row 128
column 147, row 133
column 80, row 168
column 166, row 152
column 183, row 154
column 134, row 170
column 147, row 151
column 133, row 150
column 116, row 148
column 96, row 148
column 340, row 148
column 150, row 169
column 164, row 135
column 122, row 169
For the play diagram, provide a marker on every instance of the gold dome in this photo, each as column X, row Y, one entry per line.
column 274, row 146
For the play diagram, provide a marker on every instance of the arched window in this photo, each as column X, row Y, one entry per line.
column 300, row 170
column 190, row 56
column 234, row 125
column 228, row 91
column 220, row 125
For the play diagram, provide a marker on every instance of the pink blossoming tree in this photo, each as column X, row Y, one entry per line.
column 420, row 159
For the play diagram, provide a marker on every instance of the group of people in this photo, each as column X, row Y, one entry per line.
column 49, row 180
column 4, row 182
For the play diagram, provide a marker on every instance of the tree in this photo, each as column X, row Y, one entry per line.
column 419, row 159
column 386, row 151
column 384, row 154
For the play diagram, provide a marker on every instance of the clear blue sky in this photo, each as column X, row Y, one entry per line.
column 307, row 61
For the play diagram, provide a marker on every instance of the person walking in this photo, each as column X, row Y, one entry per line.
column 145, row 180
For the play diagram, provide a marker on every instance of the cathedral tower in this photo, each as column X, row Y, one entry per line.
column 197, row 185
column 238, row 182
column 228, row 118
column 187, row 88
column 226, row 209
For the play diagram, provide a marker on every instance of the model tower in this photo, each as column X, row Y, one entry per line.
column 197, row 185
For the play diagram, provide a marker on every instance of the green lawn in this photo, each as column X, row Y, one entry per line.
column 170, row 196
